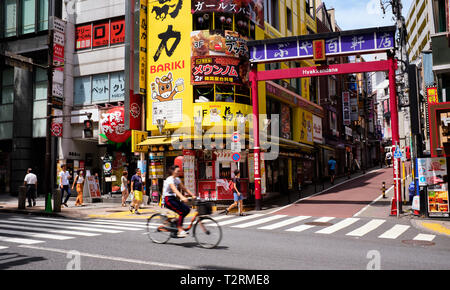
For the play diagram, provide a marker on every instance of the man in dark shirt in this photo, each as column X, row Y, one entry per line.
column 136, row 188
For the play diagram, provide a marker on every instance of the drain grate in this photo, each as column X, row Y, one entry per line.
column 418, row 243
column 319, row 224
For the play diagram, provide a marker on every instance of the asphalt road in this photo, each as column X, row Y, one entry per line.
column 244, row 246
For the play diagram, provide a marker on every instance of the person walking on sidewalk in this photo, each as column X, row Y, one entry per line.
column 332, row 169
column 64, row 176
column 79, row 181
column 238, row 197
column 136, row 187
column 30, row 182
column 124, row 187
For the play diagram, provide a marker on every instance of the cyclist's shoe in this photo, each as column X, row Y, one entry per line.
column 131, row 208
column 136, row 212
column 182, row 234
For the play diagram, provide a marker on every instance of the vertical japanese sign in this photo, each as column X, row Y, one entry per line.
column 168, row 61
column 346, row 108
column 59, row 27
column 319, row 50
column 432, row 95
column 143, row 47
column 136, row 138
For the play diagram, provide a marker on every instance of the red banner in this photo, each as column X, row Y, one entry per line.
column 219, row 70
column 83, row 37
column 100, row 35
column 118, row 31
column 135, row 111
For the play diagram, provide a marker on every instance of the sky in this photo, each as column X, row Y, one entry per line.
column 356, row 14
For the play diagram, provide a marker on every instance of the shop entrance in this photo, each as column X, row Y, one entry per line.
column 318, row 47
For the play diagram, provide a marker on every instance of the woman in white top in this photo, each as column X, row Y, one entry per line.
column 124, row 187
column 79, row 181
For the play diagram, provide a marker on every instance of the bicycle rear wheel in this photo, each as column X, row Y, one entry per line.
column 207, row 232
column 158, row 228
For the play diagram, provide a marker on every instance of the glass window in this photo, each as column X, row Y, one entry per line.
column 204, row 94
column 40, row 87
column 289, row 19
column 82, row 91
column 100, row 88
column 7, row 86
column 203, row 21
column 224, row 93
column 39, row 109
column 6, row 130
column 223, row 21
column 117, row 86
column 39, row 126
column 6, row 113
column 43, row 15
column 274, row 17
column 28, row 16
column 10, row 18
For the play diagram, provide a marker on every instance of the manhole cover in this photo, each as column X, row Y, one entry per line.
column 418, row 243
column 319, row 224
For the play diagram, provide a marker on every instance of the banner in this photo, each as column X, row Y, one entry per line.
column 306, row 127
column 143, row 47
column 438, row 203
column 136, row 138
column 92, row 186
column 83, row 37
column 317, row 132
column 432, row 95
column 101, row 35
column 117, row 31
column 219, row 70
column 218, row 42
column 346, row 108
column 168, row 61
column 431, row 171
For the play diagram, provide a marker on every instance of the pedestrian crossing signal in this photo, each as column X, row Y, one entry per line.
column 88, row 129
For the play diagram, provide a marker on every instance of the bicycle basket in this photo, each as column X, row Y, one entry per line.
column 204, row 208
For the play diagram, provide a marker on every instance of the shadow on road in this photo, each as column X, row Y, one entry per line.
column 9, row 260
column 195, row 245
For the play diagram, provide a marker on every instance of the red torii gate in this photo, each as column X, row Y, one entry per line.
column 319, row 46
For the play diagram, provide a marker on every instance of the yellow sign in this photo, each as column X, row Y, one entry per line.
column 306, row 127
column 221, row 113
column 136, row 138
column 169, row 63
column 143, row 47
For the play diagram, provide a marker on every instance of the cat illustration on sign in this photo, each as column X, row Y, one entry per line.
column 163, row 89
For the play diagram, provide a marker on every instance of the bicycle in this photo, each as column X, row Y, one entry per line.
column 160, row 227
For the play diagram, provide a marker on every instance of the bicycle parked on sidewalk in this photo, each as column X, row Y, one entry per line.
column 206, row 231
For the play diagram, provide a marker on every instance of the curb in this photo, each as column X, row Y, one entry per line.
column 38, row 213
column 433, row 226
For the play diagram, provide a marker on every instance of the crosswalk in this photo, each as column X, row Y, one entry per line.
column 350, row 227
column 38, row 230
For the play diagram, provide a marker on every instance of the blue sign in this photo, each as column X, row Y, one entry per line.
column 236, row 157
column 398, row 153
column 301, row 47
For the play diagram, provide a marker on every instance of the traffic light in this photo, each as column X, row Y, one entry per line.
column 88, row 129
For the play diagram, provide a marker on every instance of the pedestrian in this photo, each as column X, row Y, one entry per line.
column 64, row 176
column 124, row 187
column 136, row 187
column 332, row 169
column 237, row 194
column 79, row 181
column 30, row 182
column 388, row 159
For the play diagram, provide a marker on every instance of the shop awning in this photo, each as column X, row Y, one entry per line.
column 157, row 141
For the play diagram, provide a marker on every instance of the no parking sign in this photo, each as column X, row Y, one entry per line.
column 236, row 157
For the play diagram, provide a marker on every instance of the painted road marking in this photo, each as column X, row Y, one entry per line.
column 43, row 228
column 285, row 223
column 394, row 232
column 111, row 258
column 437, row 228
column 68, row 227
column 324, row 219
column 339, row 226
column 36, row 235
column 87, row 224
column 239, row 219
column 424, row 237
column 300, row 228
column 259, row 221
column 373, row 201
column 368, row 227
column 110, row 223
column 20, row 241
column 3, row 247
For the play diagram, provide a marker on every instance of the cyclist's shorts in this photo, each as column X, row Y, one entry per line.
column 138, row 195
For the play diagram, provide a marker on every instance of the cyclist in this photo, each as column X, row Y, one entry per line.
column 171, row 190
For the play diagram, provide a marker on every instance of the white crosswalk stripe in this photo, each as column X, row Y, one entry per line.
column 339, row 226
column 300, row 228
column 43, row 228
column 87, row 224
column 105, row 223
column 239, row 219
column 284, row 223
column 35, row 235
column 79, row 228
column 20, row 240
column 368, row 227
column 424, row 237
column 259, row 221
column 394, row 232
column 3, row 247
column 324, row 219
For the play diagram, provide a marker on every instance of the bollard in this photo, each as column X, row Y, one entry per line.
column 384, row 189
column 48, row 203
column 22, row 197
column 57, row 200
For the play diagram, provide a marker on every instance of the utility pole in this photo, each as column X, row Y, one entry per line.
column 48, row 137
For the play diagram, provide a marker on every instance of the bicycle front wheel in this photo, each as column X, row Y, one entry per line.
column 207, row 232
column 158, row 228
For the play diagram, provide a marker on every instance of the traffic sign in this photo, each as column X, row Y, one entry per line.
column 398, row 152
column 236, row 157
column 235, row 137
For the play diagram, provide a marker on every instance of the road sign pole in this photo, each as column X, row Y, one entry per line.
column 256, row 150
